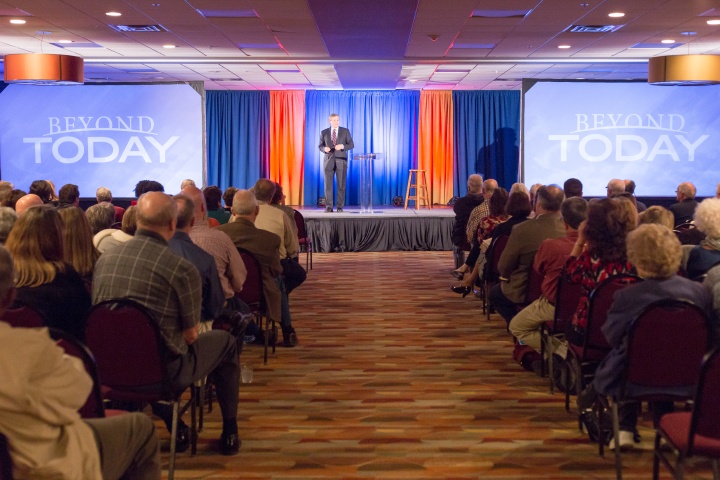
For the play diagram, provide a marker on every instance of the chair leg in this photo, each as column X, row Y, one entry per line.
column 716, row 469
column 656, row 457
column 173, row 439
column 616, row 436
column 267, row 338
column 310, row 250
column 201, row 403
column 194, row 395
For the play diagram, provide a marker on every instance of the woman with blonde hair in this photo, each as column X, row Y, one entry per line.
column 657, row 215
column 44, row 281
column 707, row 254
column 78, row 249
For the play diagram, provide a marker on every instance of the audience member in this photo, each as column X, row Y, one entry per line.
column 53, row 196
column 658, row 215
column 100, row 216
column 573, row 188
column 188, row 182
column 103, row 194
column 228, row 198
column 144, row 269
column 26, row 201
column 8, row 217
column 78, row 248
column 5, row 188
column 615, row 187
column 519, row 187
column 471, row 225
column 43, row 280
column 11, row 198
column 69, row 195
column 627, row 202
column 655, row 252
column 598, row 254
column 42, row 189
column 533, row 197
column 463, row 207
column 684, row 209
column 213, row 195
column 706, row 255
column 144, row 186
column 111, row 237
column 519, row 254
column 497, row 214
column 278, row 201
column 39, row 399
column 630, row 188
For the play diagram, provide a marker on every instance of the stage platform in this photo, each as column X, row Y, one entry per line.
column 387, row 228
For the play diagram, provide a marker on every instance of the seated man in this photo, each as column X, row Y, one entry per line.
column 685, row 208
column 145, row 270
column 39, row 400
column 655, row 252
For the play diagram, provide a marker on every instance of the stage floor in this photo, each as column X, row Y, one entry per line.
column 387, row 228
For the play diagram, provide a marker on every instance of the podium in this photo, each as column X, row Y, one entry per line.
column 366, row 179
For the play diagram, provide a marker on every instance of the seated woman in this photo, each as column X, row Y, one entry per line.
column 213, row 195
column 78, row 248
column 599, row 253
column 658, row 215
column 43, row 280
column 707, row 254
column 111, row 237
column 655, row 252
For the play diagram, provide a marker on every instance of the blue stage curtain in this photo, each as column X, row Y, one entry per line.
column 380, row 122
column 238, row 137
column 487, row 126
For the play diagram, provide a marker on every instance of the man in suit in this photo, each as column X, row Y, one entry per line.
column 685, row 208
column 519, row 254
column 334, row 143
column 265, row 246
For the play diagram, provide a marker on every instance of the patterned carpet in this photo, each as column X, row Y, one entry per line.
column 396, row 377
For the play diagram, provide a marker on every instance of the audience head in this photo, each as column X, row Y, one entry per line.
column 629, row 186
column 157, row 212
column 7, row 279
column 54, row 196
column 5, row 188
column 278, row 197
column 11, row 198
column 100, row 216
column 707, row 217
column 488, row 188
column 144, row 186
column 27, row 201
column 574, row 211
column 264, row 190
column 685, row 191
column 213, row 195
column 103, row 195
column 69, row 195
column 185, row 211
column 198, row 198
column 228, row 196
column 615, row 186
column 654, row 250
column 129, row 220
column 8, row 217
column 36, row 245
column 549, row 198
column 657, row 215
column 474, row 184
column 717, row 191
column 629, row 210
column 606, row 230
column 533, row 193
column 573, row 188
column 245, row 205
column 188, row 182
column 519, row 187
column 78, row 250
column 498, row 201
column 42, row 189
column 518, row 204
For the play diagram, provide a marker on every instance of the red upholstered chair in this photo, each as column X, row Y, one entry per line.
column 252, row 294
column 6, row 466
column 586, row 357
column 24, row 316
column 566, row 303
column 303, row 239
column 131, row 357
column 491, row 274
column 696, row 433
column 657, row 362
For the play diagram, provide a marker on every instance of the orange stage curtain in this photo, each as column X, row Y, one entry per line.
column 287, row 124
column 435, row 143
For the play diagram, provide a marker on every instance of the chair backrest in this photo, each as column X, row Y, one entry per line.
column 129, row 351
column 493, row 254
column 600, row 300
column 534, row 289
column 93, row 407
column 666, row 344
column 6, row 466
column 24, row 316
column 252, row 291
column 300, row 222
column 566, row 302
column 706, row 414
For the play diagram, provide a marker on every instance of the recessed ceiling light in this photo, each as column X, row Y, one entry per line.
column 168, row 46
column 713, row 22
column 65, row 41
column 688, row 33
column 17, row 21
column 563, row 46
column 616, row 14
column 113, row 14
column 668, row 40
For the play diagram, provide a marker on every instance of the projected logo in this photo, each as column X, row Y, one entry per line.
column 72, row 139
column 596, row 138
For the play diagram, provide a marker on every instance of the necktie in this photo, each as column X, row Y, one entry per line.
column 334, row 136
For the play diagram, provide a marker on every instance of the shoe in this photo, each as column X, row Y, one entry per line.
column 328, row 209
column 461, row 289
column 339, row 209
column 229, row 444
column 290, row 339
column 627, row 440
column 457, row 274
column 182, row 437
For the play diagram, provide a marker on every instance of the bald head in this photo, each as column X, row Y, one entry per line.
column 489, row 187
column 245, row 205
column 615, row 186
column 27, row 201
column 198, row 198
column 158, row 213
column 264, row 190
column 686, row 191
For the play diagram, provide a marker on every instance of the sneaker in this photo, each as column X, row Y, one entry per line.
column 249, row 339
column 627, row 440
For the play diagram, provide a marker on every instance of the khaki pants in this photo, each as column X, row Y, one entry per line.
column 525, row 326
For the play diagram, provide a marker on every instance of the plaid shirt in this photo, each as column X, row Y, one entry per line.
column 228, row 261
column 145, row 270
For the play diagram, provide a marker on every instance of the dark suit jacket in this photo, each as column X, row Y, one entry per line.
column 683, row 211
column 343, row 136
column 628, row 303
column 266, row 248
column 517, row 258
column 463, row 208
